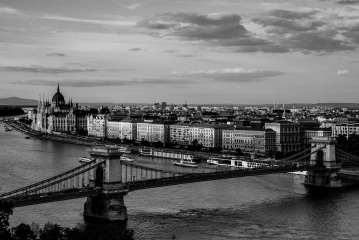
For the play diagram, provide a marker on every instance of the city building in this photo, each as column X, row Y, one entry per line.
column 345, row 129
column 97, row 125
column 257, row 140
column 306, row 135
column 128, row 129
column 287, row 135
column 208, row 135
column 153, row 131
column 58, row 116
column 180, row 134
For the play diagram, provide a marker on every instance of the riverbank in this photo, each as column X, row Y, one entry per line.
column 82, row 141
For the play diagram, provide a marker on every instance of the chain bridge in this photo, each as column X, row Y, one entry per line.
column 106, row 179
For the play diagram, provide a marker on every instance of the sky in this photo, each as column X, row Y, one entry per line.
column 199, row 51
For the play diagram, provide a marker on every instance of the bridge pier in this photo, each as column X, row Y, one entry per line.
column 323, row 156
column 325, row 178
column 109, row 204
column 105, row 208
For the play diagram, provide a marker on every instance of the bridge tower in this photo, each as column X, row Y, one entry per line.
column 323, row 156
column 105, row 206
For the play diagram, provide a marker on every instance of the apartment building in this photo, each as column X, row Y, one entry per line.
column 180, row 134
column 287, row 135
column 250, row 140
column 153, row 131
column 345, row 129
column 128, row 129
column 306, row 135
column 208, row 135
column 96, row 125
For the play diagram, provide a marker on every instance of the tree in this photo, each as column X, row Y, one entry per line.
column 52, row 232
column 239, row 151
column 158, row 144
column 23, row 232
column 270, row 154
column 6, row 209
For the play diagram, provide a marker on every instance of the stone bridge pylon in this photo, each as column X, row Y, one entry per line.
column 323, row 156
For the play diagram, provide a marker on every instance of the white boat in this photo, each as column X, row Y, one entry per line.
column 185, row 163
column 219, row 161
column 85, row 159
column 124, row 150
column 127, row 158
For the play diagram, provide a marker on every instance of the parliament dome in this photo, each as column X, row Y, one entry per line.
column 58, row 97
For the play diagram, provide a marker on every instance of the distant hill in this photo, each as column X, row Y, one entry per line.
column 18, row 101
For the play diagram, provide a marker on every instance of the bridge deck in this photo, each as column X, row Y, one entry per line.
column 33, row 199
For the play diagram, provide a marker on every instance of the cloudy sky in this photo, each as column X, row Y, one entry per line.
column 202, row 51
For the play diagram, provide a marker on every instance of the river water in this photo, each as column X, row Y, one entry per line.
column 264, row 207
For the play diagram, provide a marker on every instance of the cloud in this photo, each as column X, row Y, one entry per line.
column 134, row 6
column 342, row 72
column 41, row 69
column 105, row 82
column 293, row 15
column 55, row 55
column 309, row 32
column 216, row 30
column 293, row 25
column 232, row 74
column 135, row 49
column 348, row 2
column 8, row 10
column 185, row 55
column 170, row 51
column 91, row 21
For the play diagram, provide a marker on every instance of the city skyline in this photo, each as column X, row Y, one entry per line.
column 207, row 51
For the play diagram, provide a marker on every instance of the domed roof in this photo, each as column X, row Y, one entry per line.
column 58, row 97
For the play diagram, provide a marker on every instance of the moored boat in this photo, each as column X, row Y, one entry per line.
column 127, row 158
column 27, row 137
column 85, row 159
column 185, row 163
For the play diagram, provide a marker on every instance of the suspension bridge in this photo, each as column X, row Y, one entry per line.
column 106, row 179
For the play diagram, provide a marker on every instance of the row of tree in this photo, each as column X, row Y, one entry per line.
column 350, row 144
column 56, row 232
column 10, row 111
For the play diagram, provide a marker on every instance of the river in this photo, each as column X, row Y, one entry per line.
column 274, row 206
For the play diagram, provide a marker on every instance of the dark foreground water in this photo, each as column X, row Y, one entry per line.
column 266, row 207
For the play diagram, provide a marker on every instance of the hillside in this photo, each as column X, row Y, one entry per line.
column 18, row 101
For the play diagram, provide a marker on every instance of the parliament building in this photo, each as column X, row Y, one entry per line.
column 58, row 116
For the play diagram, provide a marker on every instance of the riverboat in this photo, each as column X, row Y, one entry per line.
column 185, row 163
column 244, row 163
column 124, row 150
column 85, row 159
column 146, row 152
column 178, row 155
column 127, row 158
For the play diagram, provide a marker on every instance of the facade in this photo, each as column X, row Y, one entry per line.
column 153, row 131
column 180, row 134
column 287, row 135
column 208, row 135
column 97, row 125
column 306, row 135
column 113, row 129
column 128, row 129
column 256, row 140
column 345, row 129
column 57, row 116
